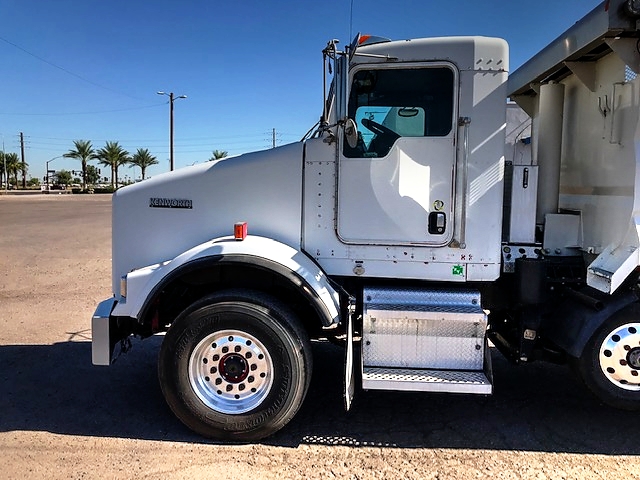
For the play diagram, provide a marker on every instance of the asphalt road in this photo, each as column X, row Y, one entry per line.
column 61, row 417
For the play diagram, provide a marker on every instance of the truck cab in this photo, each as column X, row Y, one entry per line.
column 393, row 205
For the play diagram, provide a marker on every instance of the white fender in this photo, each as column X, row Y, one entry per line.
column 140, row 283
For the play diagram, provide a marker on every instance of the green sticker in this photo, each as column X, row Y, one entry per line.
column 457, row 270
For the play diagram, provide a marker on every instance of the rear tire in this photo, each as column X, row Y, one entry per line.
column 235, row 366
column 610, row 362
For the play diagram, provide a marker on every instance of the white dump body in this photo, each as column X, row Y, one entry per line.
column 583, row 95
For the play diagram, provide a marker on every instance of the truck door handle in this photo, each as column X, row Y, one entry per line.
column 437, row 223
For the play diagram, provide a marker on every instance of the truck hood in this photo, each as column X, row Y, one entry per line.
column 159, row 218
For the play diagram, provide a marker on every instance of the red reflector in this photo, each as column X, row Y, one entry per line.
column 240, row 230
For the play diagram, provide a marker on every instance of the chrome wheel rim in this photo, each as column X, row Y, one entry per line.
column 620, row 357
column 231, row 371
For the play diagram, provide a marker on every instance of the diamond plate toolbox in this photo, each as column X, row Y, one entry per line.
column 410, row 328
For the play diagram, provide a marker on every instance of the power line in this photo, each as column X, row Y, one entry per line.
column 246, row 146
column 185, row 142
column 69, row 72
column 83, row 113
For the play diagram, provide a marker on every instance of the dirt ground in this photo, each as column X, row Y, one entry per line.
column 61, row 417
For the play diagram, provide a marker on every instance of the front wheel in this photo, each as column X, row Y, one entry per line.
column 235, row 365
column 610, row 363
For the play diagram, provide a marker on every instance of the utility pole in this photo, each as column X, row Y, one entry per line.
column 171, row 132
column 24, row 168
column 171, row 100
column 273, row 138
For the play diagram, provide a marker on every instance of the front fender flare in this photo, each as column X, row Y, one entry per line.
column 266, row 253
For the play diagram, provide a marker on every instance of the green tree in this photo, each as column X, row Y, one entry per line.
column 83, row 152
column 14, row 166
column 93, row 175
column 218, row 154
column 143, row 159
column 33, row 182
column 64, row 177
column 112, row 155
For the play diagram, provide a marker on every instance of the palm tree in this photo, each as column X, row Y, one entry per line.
column 112, row 155
column 1, row 168
column 143, row 159
column 218, row 154
column 14, row 166
column 84, row 151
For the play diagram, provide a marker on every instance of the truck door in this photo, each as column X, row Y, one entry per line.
column 396, row 185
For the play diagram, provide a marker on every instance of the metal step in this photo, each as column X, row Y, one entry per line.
column 430, row 340
column 423, row 329
column 450, row 381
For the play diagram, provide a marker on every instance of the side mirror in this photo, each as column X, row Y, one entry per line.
column 351, row 133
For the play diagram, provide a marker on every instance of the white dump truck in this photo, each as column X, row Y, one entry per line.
column 400, row 228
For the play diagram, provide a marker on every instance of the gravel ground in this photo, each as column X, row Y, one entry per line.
column 61, row 417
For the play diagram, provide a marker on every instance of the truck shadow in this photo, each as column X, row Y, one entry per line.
column 537, row 407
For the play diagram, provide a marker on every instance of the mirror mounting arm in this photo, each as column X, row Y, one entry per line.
column 350, row 131
column 330, row 52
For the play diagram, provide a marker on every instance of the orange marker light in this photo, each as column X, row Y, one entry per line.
column 240, row 230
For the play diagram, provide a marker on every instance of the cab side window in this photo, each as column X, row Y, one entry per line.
column 393, row 103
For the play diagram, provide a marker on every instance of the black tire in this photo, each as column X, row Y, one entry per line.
column 235, row 366
column 610, row 362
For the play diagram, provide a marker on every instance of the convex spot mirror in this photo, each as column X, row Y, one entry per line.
column 351, row 133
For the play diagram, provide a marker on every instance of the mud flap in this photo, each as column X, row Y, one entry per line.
column 349, row 379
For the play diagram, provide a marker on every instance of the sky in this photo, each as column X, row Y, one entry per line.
column 90, row 69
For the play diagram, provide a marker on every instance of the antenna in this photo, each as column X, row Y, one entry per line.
column 350, row 21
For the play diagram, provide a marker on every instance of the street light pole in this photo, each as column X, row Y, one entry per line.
column 171, row 100
column 48, row 161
